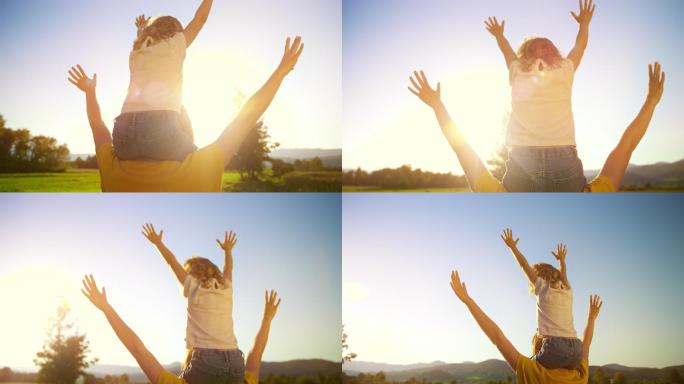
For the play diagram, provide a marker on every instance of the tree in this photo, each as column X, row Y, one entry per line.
column 675, row 377
column 64, row 356
column 348, row 356
column 599, row 377
column 253, row 152
column 619, row 378
column 497, row 164
column 21, row 152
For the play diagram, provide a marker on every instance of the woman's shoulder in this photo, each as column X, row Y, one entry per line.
column 166, row 377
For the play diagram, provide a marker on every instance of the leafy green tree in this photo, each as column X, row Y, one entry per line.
column 64, row 356
column 253, row 152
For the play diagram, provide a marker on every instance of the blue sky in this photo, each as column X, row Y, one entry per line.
column 236, row 52
column 288, row 242
column 384, row 40
column 399, row 250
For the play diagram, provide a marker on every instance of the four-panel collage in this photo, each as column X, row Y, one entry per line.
column 295, row 192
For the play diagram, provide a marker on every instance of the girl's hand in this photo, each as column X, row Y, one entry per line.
column 78, row 77
column 656, row 82
column 560, row 253
column 458, row 287
column 507, row 237
column 154, row 237
column 586, row 12
column 424, row 91
column 229, row 241
column 291, row 55
column 595, row 304
column 271, row 305
column 493, row 26
column 141, row 21
column 99, row 299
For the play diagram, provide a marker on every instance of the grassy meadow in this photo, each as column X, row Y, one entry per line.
column 89, row 181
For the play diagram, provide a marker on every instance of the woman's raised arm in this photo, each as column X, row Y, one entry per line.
column 489, row 327
column 147, row 362
column 232, row 137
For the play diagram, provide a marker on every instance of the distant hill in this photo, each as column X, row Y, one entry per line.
column 329, row 157
column 293, row 368
column 486, row 370
column 657, row 175
column 364, row 366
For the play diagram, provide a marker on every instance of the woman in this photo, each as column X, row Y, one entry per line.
column 529, row 371
column 202, row 170
column 154, row 371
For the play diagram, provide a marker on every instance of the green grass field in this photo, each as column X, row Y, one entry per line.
column 89, row 181
column 350, row 188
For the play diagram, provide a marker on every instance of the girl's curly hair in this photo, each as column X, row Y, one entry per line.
column 205, row 271
column 157, row 29
column 549, row 53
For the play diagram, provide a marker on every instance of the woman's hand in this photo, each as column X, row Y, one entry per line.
column 458, row 287
column 154, row 237
column 656, row 82
column 78, row 77
column 595, row 304
column 586, row 12
column 560, row 253
column 90, row 290
column 141, row 21
column 271, row 305
column 507, row 237
column 422, row 89
column 493, row 26
column 229, row 241
column 291, row 55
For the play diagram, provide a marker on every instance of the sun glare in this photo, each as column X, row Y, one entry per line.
column 30, row 297
column 215, row 85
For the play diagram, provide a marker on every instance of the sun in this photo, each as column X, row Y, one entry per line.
column 30, row 297
column 214, row 87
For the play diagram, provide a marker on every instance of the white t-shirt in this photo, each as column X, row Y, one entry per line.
column 554, row 310
column 541, row 105
column 156, row 76
column 210, row 315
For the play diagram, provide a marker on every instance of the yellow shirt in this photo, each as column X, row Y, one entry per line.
column 531, row 372
column 201, row 171
column 167, row 378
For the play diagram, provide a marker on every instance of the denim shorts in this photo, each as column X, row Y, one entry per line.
column 213, row 366
column 151, row 135
column 544, row 169
column 560, row 352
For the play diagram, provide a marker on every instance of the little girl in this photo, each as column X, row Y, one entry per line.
column 540, row 136
column 153, row 125
column 213, row 355
column 555, row 344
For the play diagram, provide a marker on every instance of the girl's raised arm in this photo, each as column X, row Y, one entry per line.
column 156, row 238
column 195, row 26
column 497, row 30
column 507, row 237
column 584, row 18
column 561, row 252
